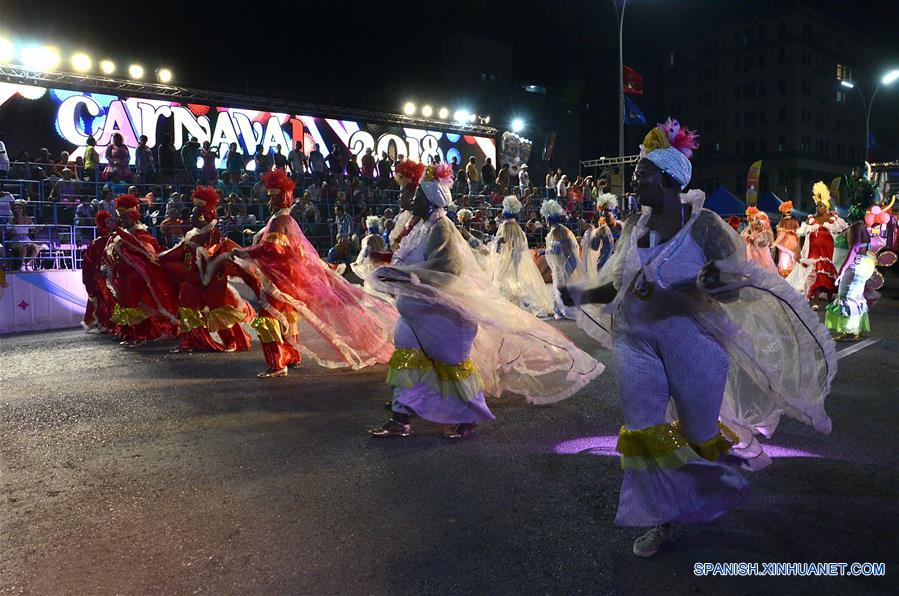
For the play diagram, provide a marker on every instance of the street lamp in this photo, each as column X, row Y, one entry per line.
column 517, row 125
column 885, row 81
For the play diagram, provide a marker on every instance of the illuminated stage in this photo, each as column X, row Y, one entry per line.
column 41, row 300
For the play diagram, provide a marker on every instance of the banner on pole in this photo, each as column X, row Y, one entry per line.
column 752, row 183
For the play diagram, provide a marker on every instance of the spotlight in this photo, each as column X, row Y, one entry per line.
column 486, row 119
column 890, row 77
column 517, row 125
column 42, row 58
column 847, row 84
column 426, row 111
column 7, row 50
column 136, row 71
column 409, row 108
column 461, row 116
column 107, row 67
column 81, row 62
column 164, row 75
column 443, row 114
column 472, row 118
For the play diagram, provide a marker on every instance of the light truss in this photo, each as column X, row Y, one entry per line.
column 93, row 83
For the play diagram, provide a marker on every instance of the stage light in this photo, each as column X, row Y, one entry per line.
column 486, row 119
column 107, row 67
column 7, row 51
column 847, row 84
column 427, row 111
column 136, row 71
column 409, row 108
column 164, row 75
column 517, row 125
column 890, row 77
column 81, row 62
column 443, row 114
column 40, row 58
column 472, row 118
column 461, row 116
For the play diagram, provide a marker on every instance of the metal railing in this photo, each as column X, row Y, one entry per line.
column 32, row 247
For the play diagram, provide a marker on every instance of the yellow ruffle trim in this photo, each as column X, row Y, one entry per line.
column 190, row 319
column 128, row 316
column 223, row 317
column 410, row 366
column 269, row 330
column 664, row 446
column 277, row 238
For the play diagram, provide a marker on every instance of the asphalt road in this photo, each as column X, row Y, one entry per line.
column 140, row 471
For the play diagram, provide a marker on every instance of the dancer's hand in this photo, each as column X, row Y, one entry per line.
column 240, row 253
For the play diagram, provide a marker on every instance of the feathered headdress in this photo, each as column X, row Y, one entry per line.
column 607, row 199
column 436, row 183
column 102, row 219
column 205, row 197
column 734, row 221
column 671, row 147
column 280, row 187
column 410, row 170
column 821, row 194
column 753, row 213
column 373, row 223
column 511, row 206
column 552, row 211
column 786, row 208
column 127, row 206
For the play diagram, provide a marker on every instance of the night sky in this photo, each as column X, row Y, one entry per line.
column 374, row 54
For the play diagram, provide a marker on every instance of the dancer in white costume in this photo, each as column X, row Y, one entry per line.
column 512, row 267
column 372, row 244
column 457, row 340
column 561, row 254
column 597, row 246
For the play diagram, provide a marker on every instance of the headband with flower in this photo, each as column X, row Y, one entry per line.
column 670, row 147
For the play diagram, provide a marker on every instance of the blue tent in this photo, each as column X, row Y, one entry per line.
column 769, row 202
column 723, row 202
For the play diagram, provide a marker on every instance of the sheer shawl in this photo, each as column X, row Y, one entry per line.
column 356, row 327
column 513, row 350
column 783, row 360
column 512, row 269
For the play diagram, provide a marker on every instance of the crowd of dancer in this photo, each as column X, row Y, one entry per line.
column 712, row 331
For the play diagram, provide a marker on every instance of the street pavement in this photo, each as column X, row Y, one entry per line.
column 139, row 471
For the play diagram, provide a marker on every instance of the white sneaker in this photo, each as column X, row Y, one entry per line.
column 650, row 542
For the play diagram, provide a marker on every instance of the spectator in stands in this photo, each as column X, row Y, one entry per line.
column 340, row 252
column 336, row 162
column 524, row 179
column 317, row 165
column 552, row 183
column 488, row 174
column 6, row 201
column 144, row 164
column 116, row 185
column 234, row 164
column 296, row 159
column 263, row 160
column 166, row 159
column 475, row 181
column 20, row 237
column 562, row 189
column 65, row 191
column 79, row 168
column 190, row 154
column 84, row 218
column 279, row 159
column 342, row 221
column 226, row 186
column 20, row 169
column 91, row 160
column 368, row 168
column 107, row 202
column 352, row 171
column 118, row 159
column 4, row 158
column 63, row 162
column 384, row 170
column 502, row 178
column 460, row 185
column 209, row 155
column 43, row 157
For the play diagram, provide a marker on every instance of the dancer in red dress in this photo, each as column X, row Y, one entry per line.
column 146, row 304
column 296, row 285
column 100, row 303
column 206, row 308
column 815, row 273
